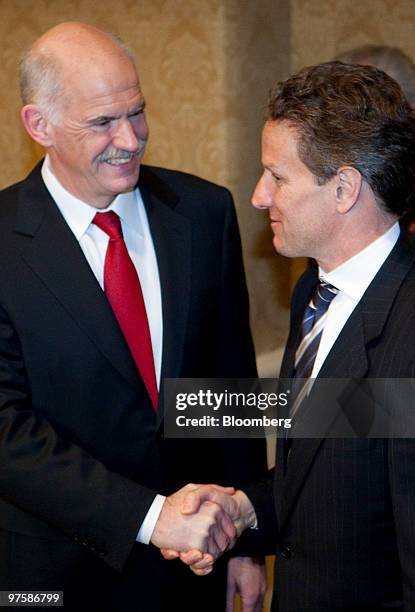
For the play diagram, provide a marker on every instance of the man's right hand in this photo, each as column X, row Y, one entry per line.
column 207, row 529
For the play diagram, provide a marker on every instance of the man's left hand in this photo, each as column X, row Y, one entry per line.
column 246, row 576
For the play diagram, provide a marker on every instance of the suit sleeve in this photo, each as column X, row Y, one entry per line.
column 262, row 539
column 402, row 482
column 244, row 459
column 52, row 479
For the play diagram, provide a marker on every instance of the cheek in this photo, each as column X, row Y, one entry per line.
column 98, row 146
column 141, row 130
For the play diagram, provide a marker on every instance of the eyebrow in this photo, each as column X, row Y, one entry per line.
column 103, row 118
column 272, row 168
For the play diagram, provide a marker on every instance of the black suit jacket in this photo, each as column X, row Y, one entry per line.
column 82, row 453
column 340, row 512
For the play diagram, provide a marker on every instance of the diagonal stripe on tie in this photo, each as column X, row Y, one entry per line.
column 313, row 323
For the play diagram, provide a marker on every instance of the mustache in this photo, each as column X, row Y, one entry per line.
column 114, row 154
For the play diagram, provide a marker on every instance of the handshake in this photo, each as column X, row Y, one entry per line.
column 199, row 523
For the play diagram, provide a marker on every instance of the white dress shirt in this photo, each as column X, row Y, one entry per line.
column 93, row 242
column 351, row 278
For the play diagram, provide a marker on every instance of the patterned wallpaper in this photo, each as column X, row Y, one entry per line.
column 347, row 24
column 206, row 67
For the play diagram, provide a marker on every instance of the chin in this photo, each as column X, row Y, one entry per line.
column 285, row 250
column 279, row 246
column 125, row 184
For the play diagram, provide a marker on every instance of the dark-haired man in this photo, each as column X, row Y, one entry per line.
column 338, row 155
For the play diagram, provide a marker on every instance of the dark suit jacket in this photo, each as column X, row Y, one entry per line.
column 340, row 512
column 82, row 453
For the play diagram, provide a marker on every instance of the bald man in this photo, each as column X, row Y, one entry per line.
column 114, row 275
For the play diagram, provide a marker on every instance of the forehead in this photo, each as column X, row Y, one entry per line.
column 280, row 146
column 279, row 139
column 95, row 88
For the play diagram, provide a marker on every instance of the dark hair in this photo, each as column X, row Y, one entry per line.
column 349, row 115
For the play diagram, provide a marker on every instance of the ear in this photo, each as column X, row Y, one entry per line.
column 348, row 184
column 36, row 125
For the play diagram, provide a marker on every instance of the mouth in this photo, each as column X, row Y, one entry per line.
column 275, row 225
column 122, row 158
column 119, row 161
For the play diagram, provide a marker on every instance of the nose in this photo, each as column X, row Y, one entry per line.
column 262, row 197
column 125, row 137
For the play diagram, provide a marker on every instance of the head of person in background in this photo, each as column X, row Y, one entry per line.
column 339, row 161
column 400, row 67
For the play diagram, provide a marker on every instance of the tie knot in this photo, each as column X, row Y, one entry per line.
column 110, row 223
column 323, row 296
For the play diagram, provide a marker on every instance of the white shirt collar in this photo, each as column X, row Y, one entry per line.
column 355, row 275
column 79, row 215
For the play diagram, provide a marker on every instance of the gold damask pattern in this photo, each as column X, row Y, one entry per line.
column 323, row 28
column 206, row 67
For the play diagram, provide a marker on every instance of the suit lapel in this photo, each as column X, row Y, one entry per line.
column 171, row 234
column 301, row 298
column 347, row 359
column 54, row 255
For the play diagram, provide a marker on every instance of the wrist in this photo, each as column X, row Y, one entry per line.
column 247, row 515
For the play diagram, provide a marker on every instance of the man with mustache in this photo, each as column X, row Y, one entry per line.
column 114, row 275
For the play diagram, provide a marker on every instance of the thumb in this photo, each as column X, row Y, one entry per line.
column 195, row 499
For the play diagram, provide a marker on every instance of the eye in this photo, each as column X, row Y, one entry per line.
column 135, row 115
column 101, row 124
column 276, row 177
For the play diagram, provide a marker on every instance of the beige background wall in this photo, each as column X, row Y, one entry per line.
column 206, row 66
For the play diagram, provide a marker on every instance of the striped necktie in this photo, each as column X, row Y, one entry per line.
column 314, row 320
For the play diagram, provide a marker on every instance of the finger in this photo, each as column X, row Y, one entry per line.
column 252, row 603
column 223, row 530
column 258, row 607
column 221, row 538
column 228, row 526
column 227, row 490
column 230, row 595
column 191, row 556
column 212, row 548
column 207, row 561
column 169, row 554
column 195, row 498
column 202, row 572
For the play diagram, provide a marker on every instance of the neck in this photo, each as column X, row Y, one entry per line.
column 348, row 244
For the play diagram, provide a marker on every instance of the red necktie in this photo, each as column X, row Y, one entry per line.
column 123, row 290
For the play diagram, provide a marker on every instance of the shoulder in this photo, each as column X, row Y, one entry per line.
column 9, row 200
column 27, row 187
column 11, row 193
column 182, row 184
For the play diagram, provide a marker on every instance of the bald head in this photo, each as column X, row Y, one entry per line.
column 67, row 53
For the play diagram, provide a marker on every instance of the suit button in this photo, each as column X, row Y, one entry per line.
column 287, row 551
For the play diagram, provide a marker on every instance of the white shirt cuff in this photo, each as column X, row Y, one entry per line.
column 147, row 526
